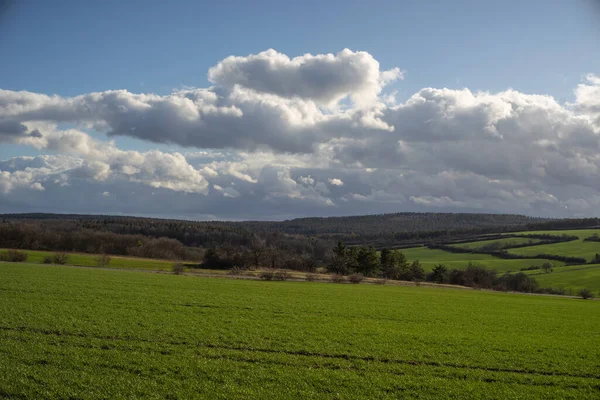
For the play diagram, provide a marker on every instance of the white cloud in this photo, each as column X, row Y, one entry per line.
column 276, row 139
column 323, row 78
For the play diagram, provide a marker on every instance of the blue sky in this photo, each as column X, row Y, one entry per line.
column 75, row 47
column 535, row 46
column 71, row 48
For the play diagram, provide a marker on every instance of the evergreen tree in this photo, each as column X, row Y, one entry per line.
column 368, row 262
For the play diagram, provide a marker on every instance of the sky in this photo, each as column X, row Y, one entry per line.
column 266, row 110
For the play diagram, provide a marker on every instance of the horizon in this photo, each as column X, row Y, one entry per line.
column 147, row 109
column 175, row 218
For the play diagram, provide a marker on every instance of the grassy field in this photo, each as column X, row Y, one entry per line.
column 430, row 257
column 90, row 333
column 89, row 260
column 573, row 277
column 581, row 233
column 577, row 248
column 504, row 242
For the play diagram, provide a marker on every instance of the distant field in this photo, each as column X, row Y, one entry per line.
column 573, row 277
column 91, row 333
column 430, row 257
column 504, row 242
column 577, row 248
column 89, row 260
column 581, row 233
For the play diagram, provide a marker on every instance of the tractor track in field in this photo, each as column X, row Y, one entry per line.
column 304, row 353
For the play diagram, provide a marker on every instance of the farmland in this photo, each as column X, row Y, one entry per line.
column 570, row 278
column 574, row 278
column 577, row 248
column 89, row 333
column 501, row 242
column 430, row 257
column 89, row 260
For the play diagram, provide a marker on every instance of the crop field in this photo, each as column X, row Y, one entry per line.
column 92, row 333
column 431, row 257
column 89, row 260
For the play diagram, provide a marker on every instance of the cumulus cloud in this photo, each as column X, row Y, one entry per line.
column 311, row 135
column 323, row 78
column 101, row 161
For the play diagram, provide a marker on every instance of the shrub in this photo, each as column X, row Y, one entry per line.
column 235, row 271
column 311, row 277
column 337, row 278
column 281, row 275
column 14, row 256
column 60, row 258
column 103, row 260
column 266, row 275
column 438, row 275
column 585, row 294
column 533, row 267
column 356, row 278
column 47, row 260
column 178, row 268
column 518, row 282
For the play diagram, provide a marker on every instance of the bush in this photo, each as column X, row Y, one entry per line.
column 60, row 258
column 178, row 268
column 267, row 275
column 281, row 275
column 13, row 256
column 235, row 271
column 311, row 277
column 47, row 260
column 337, row 278
column 356, row 278
column 103, row 260
column 557, row 291
column 585, row 294
column 518, row 282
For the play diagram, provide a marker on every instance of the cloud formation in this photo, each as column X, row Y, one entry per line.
column 311, row 135
column 322, row 78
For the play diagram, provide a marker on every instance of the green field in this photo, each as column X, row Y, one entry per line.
column 89, row 260
column 430, row 257
column 504, row 242
column 581, row 233
column 573, row 277
column 91, row 333
column 577, row 248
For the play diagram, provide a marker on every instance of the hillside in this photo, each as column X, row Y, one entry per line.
column 359, row 225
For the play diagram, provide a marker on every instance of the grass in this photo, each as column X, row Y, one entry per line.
column 577, row 248
column 581, row 233
column 571, row 278
column 89, row 260
column 430, row 257
column 91, row 333
column 503, row 242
